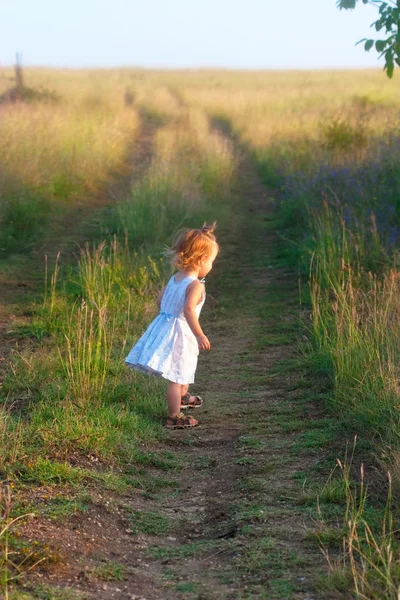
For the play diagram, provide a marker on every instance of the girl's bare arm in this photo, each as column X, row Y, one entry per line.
column 193, row 297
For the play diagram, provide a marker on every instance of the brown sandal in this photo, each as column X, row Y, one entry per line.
column 181, row 421
column 198, row 401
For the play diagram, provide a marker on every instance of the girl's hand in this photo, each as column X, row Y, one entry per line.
column 203, row 342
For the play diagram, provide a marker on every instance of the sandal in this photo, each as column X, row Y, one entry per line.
column 186, row 404
column 181, row 421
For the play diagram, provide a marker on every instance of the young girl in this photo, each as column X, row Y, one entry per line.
column 170, row 346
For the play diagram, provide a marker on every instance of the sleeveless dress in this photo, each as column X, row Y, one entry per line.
column 168, row 348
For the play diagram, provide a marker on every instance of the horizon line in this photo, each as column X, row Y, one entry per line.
column 193, row 68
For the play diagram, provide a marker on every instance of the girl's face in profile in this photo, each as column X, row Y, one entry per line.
column 207, row 263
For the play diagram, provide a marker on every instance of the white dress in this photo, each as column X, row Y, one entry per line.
column 168, row 348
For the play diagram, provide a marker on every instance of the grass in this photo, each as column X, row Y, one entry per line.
column 332, row 492
column 59, row 508
column 55, row 154
column 16, row 557
column 46, row 592
column 370, row 549
column 150, row 523
column 329, row 151
column 111, row 571
column 192, row 549
column 192, row 165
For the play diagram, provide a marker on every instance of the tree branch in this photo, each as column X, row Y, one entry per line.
column 388, row 22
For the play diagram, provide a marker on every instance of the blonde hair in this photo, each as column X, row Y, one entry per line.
column 191, row 246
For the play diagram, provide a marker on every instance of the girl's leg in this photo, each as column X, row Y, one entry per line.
column 174, row 396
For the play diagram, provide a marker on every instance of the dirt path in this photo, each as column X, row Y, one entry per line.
column 228, row 519
column 237, row 527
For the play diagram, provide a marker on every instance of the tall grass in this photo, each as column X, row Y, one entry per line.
column 353, row 283
column 356, row 323
column 10, row 439
column 57, row 154
column 367, row 566
column 77, row 393
column 191, row 174
column 326, row 140
column 89, row 343
column 13, row 565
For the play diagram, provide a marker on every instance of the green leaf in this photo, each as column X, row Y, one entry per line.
column 346, row 4
column 383, row 7
column 368, row 45
column 380, row 45
column 389, row 22
column 389, row 63
column 390, row 70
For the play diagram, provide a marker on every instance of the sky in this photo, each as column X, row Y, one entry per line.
column 241, row 34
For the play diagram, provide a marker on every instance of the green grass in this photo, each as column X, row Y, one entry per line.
column 150, row 523
column 274, row 339
column 60, row 508
column 339, row 580
column 204, row 462
column 46, row 592
column 332, row 492
column 83, row 413
column 187, row 586
column 111, row 571
column 316, row 438
column 191, row 549
column 250, row 442
column 328, row 537
column 246, row 511
column 47, row 163
column 44, row 471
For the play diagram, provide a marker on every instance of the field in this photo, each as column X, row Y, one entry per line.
column 301, row 427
